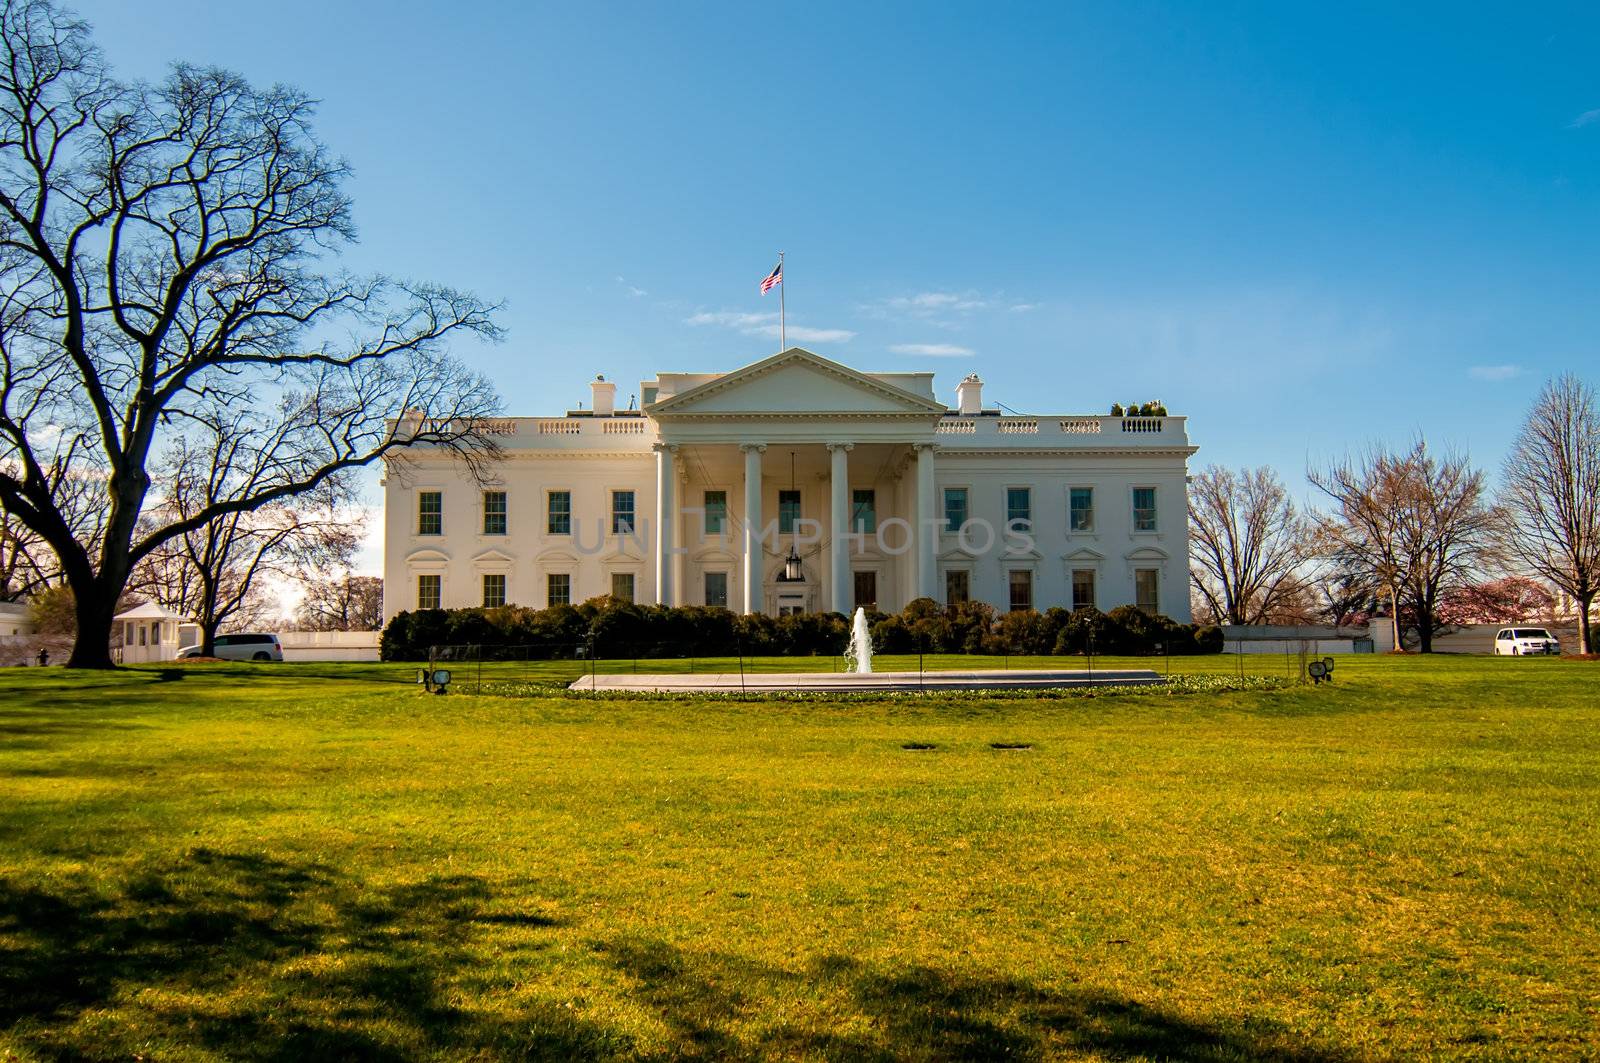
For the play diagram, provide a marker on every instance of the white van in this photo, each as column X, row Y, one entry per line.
column 243, row 646
column 1522, row 641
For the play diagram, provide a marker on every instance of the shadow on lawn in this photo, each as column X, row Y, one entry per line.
column 254, row 958
column 258, row 959
column 921, row 1012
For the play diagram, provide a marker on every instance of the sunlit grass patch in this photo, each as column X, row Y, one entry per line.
column 326, row 862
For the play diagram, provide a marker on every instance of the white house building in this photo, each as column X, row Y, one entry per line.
column 798, row 484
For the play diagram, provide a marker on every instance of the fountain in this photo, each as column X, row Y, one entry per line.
column 859, row 677
column 859, row 652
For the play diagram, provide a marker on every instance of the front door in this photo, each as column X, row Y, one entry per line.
column 867, row 590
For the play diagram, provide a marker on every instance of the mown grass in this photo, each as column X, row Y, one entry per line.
column 296, row 862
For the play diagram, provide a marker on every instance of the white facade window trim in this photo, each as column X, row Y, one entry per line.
column 1155, row 509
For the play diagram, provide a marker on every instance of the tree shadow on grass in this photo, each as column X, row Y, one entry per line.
column 254, row 958
column 257, row 959
column 714, row 1004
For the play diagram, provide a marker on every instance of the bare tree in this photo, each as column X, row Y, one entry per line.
column 1345, row 596
column 1248, row 545
column 1416, row 523
column 214, row 572
column 1551, row 495
column 27, row 564
column 342, row 603
column 164, row 255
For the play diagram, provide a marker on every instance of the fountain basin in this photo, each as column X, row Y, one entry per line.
column 865, row 682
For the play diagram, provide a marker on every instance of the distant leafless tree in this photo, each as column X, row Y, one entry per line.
column 1248, row 546
column 342, row 603
column 1416, row 524
column 165, row 255
column 214, row 572
column 1551, row 495
column 1344, row 596
column 27, row 564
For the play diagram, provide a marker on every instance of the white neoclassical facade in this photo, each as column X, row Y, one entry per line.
column 799, row 484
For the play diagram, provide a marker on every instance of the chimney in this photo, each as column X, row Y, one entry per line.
column 969, row 396
column 605, row 397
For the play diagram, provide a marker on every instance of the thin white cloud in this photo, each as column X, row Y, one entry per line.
column 730, row 319
column 1494, row 373
column 1586, row 118
column 933, row 350
column 633, row 292
column 924, row 304
column 1023, row 308
column 804, row 334
column 767, row 325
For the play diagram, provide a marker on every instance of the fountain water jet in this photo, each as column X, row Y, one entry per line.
column 859, row 651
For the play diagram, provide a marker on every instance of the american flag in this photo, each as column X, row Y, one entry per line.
column 774, row 279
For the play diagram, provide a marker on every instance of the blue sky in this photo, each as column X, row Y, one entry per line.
column 1306, row 229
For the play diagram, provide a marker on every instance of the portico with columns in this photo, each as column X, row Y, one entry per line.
column 832, row 467
column 797, row 484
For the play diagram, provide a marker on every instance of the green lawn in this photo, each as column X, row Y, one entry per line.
column 305, row 862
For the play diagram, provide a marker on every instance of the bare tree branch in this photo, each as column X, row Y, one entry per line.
column 165, row 273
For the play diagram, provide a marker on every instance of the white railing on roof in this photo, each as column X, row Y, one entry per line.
column 1108, row 430
column 567, row 426
column 622, row 428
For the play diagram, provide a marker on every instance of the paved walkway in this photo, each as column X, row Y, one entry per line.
column 847, row 682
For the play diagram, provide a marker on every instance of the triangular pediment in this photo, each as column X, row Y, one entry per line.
column 795, row 382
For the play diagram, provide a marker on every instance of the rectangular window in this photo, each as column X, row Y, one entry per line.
column 621, row 512
column 494, row 513
column 1019, row 508
column 428, row 591
column 1144, row 509
column 1081, row 509
column 1021, row 583
column 788, row 511
column 1146, row 595
column 866, row 590
column 558, row 589
column 430, row 513
column 622, row 586
column 864, row 511
column 716, row 507
column 956, row 586
column 1083, row 588
column 494, row 589
column 717, row 589
column 560, row 512
column 955, row 508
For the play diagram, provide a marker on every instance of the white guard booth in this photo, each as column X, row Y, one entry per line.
column 152, row 632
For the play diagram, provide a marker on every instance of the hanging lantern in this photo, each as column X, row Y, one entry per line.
column 791, row 564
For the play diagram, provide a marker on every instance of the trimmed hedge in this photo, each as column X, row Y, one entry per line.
column 611, row 629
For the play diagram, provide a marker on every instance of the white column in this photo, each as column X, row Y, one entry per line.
column 752, row 524
column 666, row 517
column 927, row 537
column 839, row 483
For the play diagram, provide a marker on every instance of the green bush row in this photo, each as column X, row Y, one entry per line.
column 608, row 628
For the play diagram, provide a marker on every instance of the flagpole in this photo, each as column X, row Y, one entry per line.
column 783, row 335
